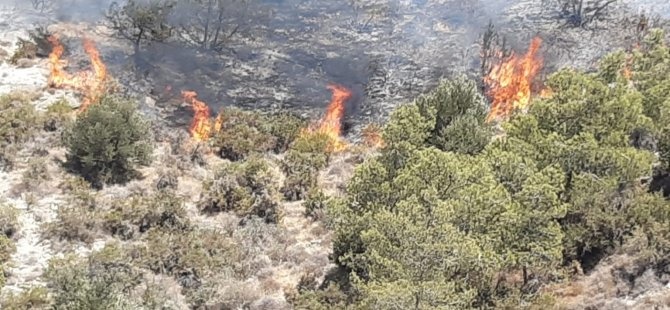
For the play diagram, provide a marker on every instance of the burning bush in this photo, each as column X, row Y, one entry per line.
column 108, row 141
column 246, row 188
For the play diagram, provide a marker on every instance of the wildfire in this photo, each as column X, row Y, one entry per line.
column 509, row 82
column 331, row 124
column 90, row 83
column 201, row 127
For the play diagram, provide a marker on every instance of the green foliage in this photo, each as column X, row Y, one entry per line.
column 33, row 298
column 140, row 214
column 101, row 281
column 445, row 219
column 74, row 223
column 189, row 256
column 140, row 21
column 108, row 142
column 245, row 188
column 18, row 121
column 241, row 135
column 316, row 203
column 302, row 163
column 245, row 133
column 9, row 223
column 58, row 115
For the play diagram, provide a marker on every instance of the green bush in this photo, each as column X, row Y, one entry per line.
column 18, row 124
column 9, row 223
column 104, row 280
column 108, row 142
column 58, row 115
column 245, row 133
column 245, row 188
column 301, row 164
column 140, row 214
column 33, row 298
column 316, row 203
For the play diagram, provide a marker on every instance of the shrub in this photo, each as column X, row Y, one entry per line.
column 9, row 223
column 101, row 281
column 33, row 298
column 74, row 223
column 18, row 120
column 246, row 188
column 24, row 49
column 241, row 135
column 35, row 174
column 285, row 128
column 58, row 115
column 108, row 141
column 7, row 248
column 302, row 170
column 140, row 214
column 187, row 256
column 315, row 204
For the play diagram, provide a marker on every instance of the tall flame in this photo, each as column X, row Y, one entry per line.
column 90, row 83
column 201, row 127
column 331, row 123
column 509, row 82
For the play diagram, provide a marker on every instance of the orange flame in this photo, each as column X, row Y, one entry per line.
column 201, row 127
column 90, row 83
column 331, row 123
column 509, row 83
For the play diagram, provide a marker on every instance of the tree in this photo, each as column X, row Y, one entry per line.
column 138, row 21
column 108, row 141
column 582, row 13
column 210, row 24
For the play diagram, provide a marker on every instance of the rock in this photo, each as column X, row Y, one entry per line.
column 25, row 63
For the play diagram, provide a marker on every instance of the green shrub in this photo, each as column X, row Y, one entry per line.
column 104, row 280
column 9, row 223
column 7, row 248
column 187, row 256
column 35, row 174
column 58, row 115
column 245, row 188
column 74, row 223
column 302, row 171
column 315, row 204
column 285, row 128
column 108, row 142
column 33, row 298
column 139, row 214
column 18, row 121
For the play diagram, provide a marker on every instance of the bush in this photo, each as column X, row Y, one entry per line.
column 246, row 133
column 245, row 188
column 187, row 256
column 24, row 50
column 74, row 223
column 139, row 214
column 35, row 174
column 9, row 223
column 108, row 141
column 18, row 120
column 302, row 163
column 315, row 204
column 101, row 281
column 33, row 298
column 58, row 115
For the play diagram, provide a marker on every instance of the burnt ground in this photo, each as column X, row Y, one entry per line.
column 286, row 59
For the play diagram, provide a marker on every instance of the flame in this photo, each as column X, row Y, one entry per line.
column 331, row 123
column 90, row 83
column 218, row 122
column 509, row 82
column 201, row 127
column 372, row 136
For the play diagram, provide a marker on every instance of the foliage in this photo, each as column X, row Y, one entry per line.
column 24, row 49
column 58, row 115
column 436, row 222
column 9, row 223
column 164, row 210
column 33, row 298
column 315, row 203
column 139, row 21
column 108, row 142
column 301, row 164
column 244, row 133
column 246, row 188
column 18, row 121
column 101, row 281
